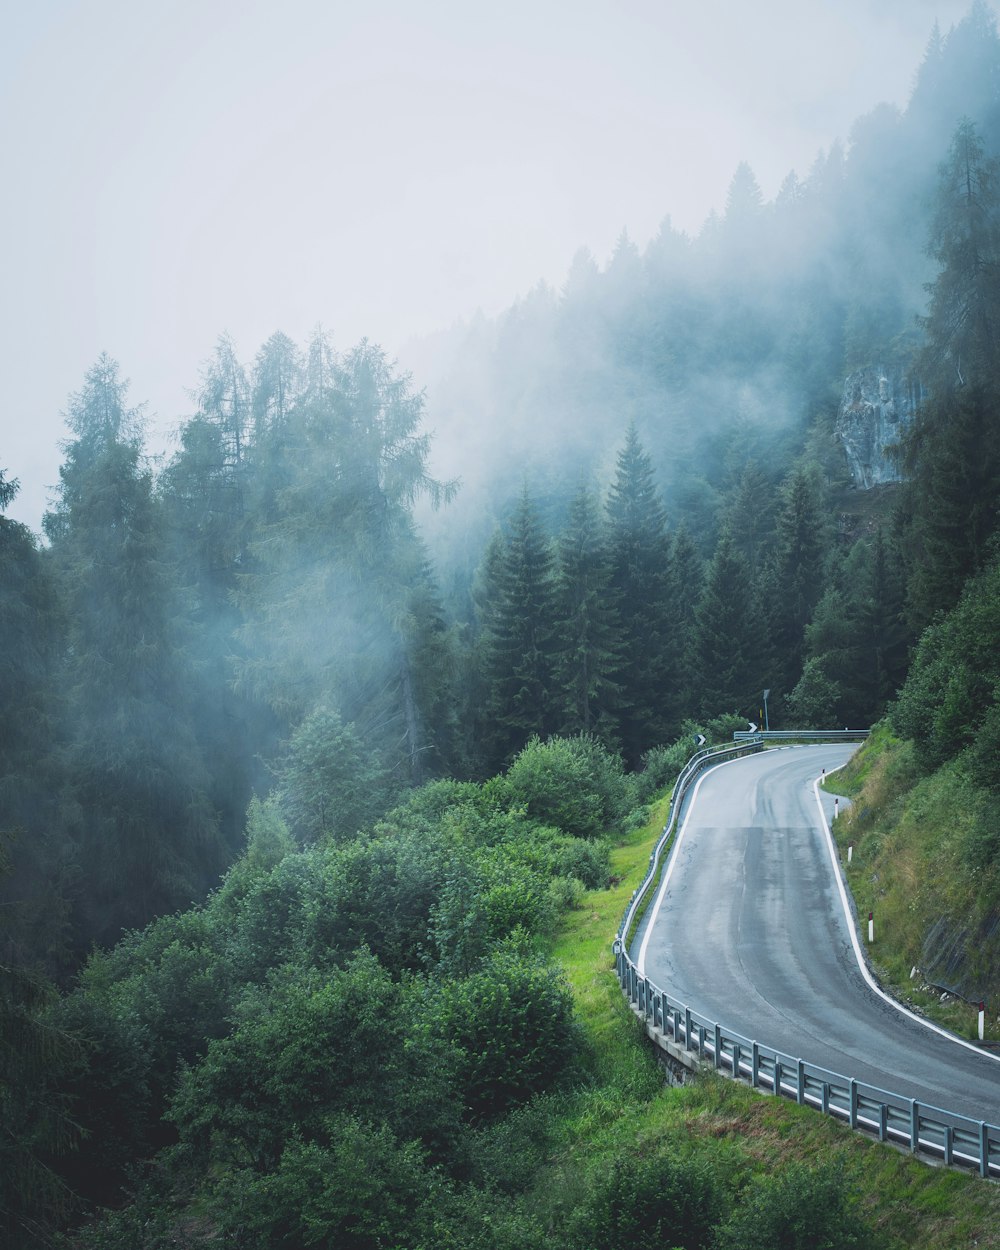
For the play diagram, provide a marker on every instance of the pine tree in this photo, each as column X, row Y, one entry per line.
column 586, row 656
column 952, row 454
column 749, row 516
column 640, row 566
column 149, row 839
column 685, row 585
column 963, row 320
column 956, row 488
column 430, row 685
column 35, row 890
column 798, row 574
column 519, row 637
column 724, row 670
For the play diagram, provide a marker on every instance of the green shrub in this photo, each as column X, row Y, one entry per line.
column 511, row 1027
column 356, row 1188
column 650, row 1203
column 795, row 1208
column 572, row 783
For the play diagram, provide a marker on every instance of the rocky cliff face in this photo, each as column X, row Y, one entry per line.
column 877, row 406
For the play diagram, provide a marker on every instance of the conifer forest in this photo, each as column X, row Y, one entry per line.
column 312, row 735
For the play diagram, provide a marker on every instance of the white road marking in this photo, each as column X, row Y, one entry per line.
column 862, row 965
column 640, row 962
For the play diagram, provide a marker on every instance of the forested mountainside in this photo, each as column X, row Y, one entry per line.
column 643, row 520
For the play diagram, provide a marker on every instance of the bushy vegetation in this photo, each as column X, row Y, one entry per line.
column 291, row 814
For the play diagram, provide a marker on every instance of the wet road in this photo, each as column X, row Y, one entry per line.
column 749, row 929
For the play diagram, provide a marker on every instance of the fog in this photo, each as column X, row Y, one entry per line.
column 383, row 170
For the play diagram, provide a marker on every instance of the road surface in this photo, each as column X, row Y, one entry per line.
column 748, row 929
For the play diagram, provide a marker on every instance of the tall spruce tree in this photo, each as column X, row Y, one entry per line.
column 963, row 320
column 149, row 840
column 798, row 574
column 687, row 574
column 724, row 667
column 639, row 548
column 586, row 658
column 38, row 882
column 952, row 454
column 519, row 637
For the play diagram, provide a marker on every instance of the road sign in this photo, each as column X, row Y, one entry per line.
column 753, row 727
column 700, row 740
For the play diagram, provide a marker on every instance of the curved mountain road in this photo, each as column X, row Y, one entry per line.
column 748, row 928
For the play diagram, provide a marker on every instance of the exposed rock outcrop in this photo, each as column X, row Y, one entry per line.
column 877, row 406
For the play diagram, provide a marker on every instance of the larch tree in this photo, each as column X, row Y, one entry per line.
column 328, row 593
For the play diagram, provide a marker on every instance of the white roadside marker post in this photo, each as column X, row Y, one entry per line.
column 836, row 808
column 871, row 926
column 850, row 851
column 982, row 1020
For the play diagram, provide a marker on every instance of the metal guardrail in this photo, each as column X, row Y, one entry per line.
column 952, row 1138
column 801, row 735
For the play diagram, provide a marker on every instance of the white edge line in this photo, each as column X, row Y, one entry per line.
column 640, row 962
column 859, row 955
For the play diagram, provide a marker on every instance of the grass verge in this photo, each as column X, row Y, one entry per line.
column 933, row 912
column 625, row 1105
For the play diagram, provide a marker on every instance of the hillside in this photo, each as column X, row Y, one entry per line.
column 316, row 734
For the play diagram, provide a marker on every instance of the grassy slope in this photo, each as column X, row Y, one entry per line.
column 932, row 911
column 628, row 1106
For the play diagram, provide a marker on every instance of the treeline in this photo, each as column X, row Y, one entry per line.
column 180, row 626
column 263, row 612
column 270, row 580
column 750, row 325
column 259, row 625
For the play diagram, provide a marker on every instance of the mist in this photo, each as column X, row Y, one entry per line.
column 381, row 173
column 424, row 429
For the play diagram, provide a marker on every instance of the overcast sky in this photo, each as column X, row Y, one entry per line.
column 178, row 169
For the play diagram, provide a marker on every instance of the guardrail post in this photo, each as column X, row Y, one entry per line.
column 677, row 1025
column 914, row 1125
column 736, row 1060
column 853, row 1112
column 755, row 1065
column 777, row 1075
column 826, row 1098
column 800, row 1082
column 883, row 1121
column 949, row 1144
column 717, row 1054
column 984, row 1149
column 701, row 1041
column 687, row 1028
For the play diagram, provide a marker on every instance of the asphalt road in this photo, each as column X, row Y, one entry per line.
column 748, row 929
